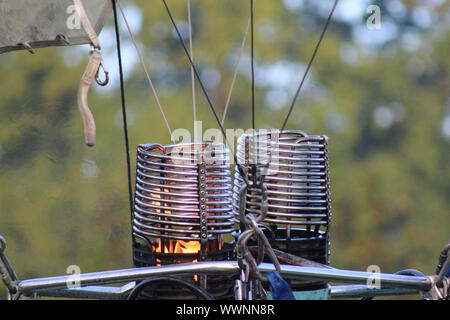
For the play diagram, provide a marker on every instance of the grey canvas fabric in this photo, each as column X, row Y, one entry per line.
column 41, row 23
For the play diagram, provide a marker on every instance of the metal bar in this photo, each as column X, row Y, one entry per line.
column 91, row 292
column 362, row 291
column 121, row 293
column 349, row 276
column 440, row 276
column 4, row 259
column 224, row 267
column 124, row 275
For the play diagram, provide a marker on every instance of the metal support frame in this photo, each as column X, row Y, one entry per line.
column 391, row 284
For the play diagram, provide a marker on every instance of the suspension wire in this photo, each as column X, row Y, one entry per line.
column 241, row 50
column 191, row 50
column 252, row 8
column 309, row 65
column 241, row 171
column 124, row 114
column 133, row 39
column 252, row 59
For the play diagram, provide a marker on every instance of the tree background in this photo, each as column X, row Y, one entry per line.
column 381, row 96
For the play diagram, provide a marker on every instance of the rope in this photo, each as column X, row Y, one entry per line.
column 241, row 50
column 252, row 7
column 146, row 70
column 309, row 65
column 124, row 112
column 180, row 38
column 191, row 50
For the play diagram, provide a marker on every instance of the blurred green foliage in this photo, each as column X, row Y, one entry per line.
column 381, row 96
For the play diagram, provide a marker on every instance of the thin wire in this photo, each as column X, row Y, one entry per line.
column 309, row 65
column 241, row 50
column 146, row 70
column 124, row 113
column 241, row 171
column 252, row 7
column 194, row 100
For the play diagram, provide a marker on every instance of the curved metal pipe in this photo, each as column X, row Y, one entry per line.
column 225, row 268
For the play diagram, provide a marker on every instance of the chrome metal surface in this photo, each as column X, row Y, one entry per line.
column 348, row 276
column 91, row 292
column 362, row 291
column 222, row 268
column 444, row 270
column 295, row 172
column 5, row 260
column 297, row 179
column 121, row 293
column 182, row 211
column 125, row 275
column 183, row 192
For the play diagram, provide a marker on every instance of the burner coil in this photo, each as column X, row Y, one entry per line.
column 295, row 170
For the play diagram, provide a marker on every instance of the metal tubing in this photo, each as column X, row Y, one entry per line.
column 91, row 292
column 183, row 192
column 294, row 168
column 124, row 275
column 121, row 293
column 348, row 276
column 362, row 291
column 224, row 268
column 3, row 259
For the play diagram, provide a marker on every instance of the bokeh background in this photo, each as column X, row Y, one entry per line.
column 381, row 96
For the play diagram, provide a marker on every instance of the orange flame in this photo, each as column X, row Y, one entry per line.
column 178, row 246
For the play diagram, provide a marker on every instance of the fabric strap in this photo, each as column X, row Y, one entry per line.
column 279, row 288
column 85, row 83
column 86, row 23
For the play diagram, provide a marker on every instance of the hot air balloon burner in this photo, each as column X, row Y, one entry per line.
column 296, row 175
column 183, row 211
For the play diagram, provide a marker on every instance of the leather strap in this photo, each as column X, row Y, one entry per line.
column 83, row 90
column 86, row 23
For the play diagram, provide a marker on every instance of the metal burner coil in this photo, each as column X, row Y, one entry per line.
column 295, row 171
column 183, row 192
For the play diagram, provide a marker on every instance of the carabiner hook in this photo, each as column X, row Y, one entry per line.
column 243, row 201
column 27, row 46
column 97, row 76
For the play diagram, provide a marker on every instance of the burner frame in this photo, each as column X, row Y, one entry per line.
column 295, row 170
column 183, row 195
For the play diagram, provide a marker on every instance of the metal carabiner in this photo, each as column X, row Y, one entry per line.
column 97, row 76
column 27, row 46
column 243, row 203
column 242, row 284
column 63, row 38
column 264, row 201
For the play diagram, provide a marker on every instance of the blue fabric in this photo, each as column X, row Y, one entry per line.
column 280, row 289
